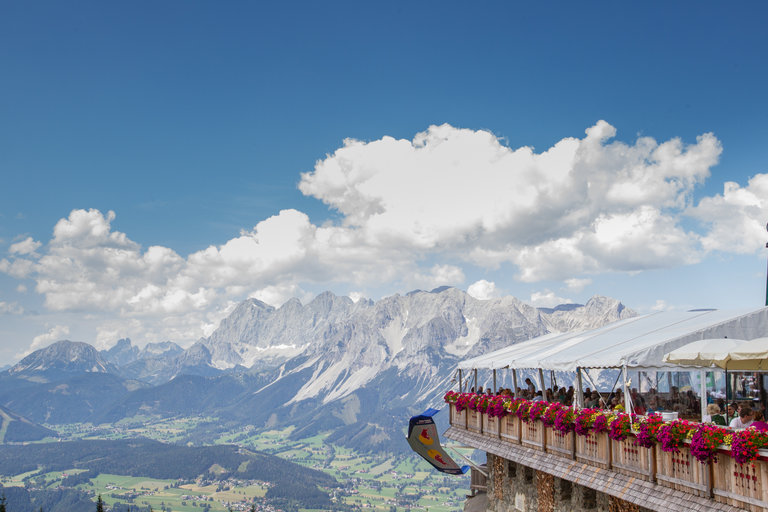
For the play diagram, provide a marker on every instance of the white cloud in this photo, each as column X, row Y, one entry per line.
column 277, row 295
column 483, row 290
column 437, row 275
column 737, row 217
column 547, row 299
column 660, row 305
column 55, row 333
column 26, row 246
column 575, row 285
column 10, row 308
column 584, row 205
column 458, row 196
column 18, row 268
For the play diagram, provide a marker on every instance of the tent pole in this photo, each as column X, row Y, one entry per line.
column 703, row 392
column 627, row 398
column 541, row 381
column 586, row 372
column 579, row 390
column 514, row 383
column 494, row 381
column 477, row 384
column 461, row 387
column 727, row 400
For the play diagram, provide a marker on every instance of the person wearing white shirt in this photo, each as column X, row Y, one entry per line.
column 743, row 420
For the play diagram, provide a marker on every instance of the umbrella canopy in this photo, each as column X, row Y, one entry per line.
column 708, row 352
column 750, row 355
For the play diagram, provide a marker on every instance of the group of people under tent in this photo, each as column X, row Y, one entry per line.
column 742, row 416
column 738, row 415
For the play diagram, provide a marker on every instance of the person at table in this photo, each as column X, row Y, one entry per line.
column 713, row 415
column 593, row 400
column 531, row 387
column 759, row 422
column 744, row 419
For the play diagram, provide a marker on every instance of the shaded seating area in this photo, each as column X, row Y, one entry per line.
column 654, row 427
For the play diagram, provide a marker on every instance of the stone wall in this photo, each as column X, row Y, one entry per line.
column 515, row 487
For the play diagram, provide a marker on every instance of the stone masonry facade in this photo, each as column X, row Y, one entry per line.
column 515, row 487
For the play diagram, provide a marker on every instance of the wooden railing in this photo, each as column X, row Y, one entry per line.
column 740, row 485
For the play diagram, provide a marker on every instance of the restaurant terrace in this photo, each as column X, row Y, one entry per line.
column 550, row 456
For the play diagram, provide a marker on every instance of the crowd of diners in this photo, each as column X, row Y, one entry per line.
column 736, row 415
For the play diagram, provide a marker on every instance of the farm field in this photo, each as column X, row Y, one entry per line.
column 376, row 482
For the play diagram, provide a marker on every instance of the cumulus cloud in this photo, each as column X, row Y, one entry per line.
column 547, row 299
column 26, row 246
column 576, row 285
column 277, row 295
column 10, row 308
column 483, row 290
column 584, row 205
column 55, row 333
column 437, row 275
column 450, row 195
column 736, row 218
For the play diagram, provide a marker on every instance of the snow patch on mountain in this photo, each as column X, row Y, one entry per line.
column 464, row 344
column 393, row 334
column 349, row 345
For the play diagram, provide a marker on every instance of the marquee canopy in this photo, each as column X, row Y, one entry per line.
column 638, row 342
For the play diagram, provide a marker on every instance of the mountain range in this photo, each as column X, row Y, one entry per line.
column 358, row 369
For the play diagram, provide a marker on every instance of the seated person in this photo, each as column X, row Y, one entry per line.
column 713, row 415
column 759, row 422
column 744, row 420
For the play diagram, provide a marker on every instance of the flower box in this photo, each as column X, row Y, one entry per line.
column 559, row 443
column 532, row 435
column 741, row 485
column 680, row 470
column 629, row 459
column 510, row 428
column 594, row 449
column 491, row 425
column 474, row 421
column 458, row 419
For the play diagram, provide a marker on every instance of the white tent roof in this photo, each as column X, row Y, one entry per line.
column 638, row 342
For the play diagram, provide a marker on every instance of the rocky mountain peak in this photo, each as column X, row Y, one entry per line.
column 62, row 357
column 122, row 353
column 596, row 312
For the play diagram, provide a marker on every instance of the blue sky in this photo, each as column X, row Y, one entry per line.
column 197, row 122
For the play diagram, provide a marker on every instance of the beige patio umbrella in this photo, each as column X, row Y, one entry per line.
column 717, row 352
column 751, row 355
column 706, row 353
